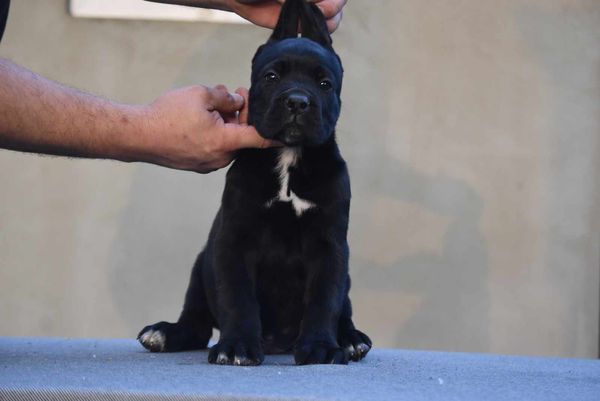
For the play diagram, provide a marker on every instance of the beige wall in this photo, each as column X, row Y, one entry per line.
column 472, row 133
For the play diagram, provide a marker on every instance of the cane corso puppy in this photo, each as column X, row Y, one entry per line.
column 273, row 277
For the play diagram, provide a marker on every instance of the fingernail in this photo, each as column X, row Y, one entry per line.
column 237, row 98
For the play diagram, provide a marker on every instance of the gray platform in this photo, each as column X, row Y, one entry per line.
column 68, row 369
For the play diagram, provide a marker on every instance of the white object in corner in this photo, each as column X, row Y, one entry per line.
column 140, row 9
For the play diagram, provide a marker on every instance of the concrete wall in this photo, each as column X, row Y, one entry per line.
column 472, row 133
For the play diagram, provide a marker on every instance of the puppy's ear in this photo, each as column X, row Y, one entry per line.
column 289, row 18
column 300, row 14
column 313, row 24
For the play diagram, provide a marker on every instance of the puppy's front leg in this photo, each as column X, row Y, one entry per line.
column 238, row 311
column 324, row 295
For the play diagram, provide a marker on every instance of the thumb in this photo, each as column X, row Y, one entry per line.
column 223, row 101
column 239, row 136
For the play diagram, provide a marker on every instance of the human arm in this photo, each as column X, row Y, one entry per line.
column 264, row 12
column 195, row 128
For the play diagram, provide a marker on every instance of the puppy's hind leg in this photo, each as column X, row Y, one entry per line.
column 194, row 327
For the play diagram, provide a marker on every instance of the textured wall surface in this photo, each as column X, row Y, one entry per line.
column 472, row 132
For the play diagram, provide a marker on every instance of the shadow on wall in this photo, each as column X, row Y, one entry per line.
column 444, row 285
column 162, row 230
column 564, row 44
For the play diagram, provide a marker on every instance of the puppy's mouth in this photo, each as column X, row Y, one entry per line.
column 291, row 134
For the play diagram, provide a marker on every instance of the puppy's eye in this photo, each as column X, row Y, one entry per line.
column 271, row 77
column 325, row 84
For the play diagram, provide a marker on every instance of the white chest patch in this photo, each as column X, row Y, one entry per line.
column 288, row 157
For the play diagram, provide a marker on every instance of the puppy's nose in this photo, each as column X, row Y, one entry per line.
column 297, row 103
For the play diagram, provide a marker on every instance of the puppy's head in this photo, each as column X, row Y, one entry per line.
column 296, row 81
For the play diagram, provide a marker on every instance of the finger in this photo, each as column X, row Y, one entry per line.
column 330, row 8
column 223, row 101
column 334, row 23
column 239, row 136
column 243, row 117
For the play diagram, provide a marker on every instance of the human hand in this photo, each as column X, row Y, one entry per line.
column 198, row 128
column 266, row 12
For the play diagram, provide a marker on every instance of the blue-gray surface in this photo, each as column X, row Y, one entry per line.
column 76, row 369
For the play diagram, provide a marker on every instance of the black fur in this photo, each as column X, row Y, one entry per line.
column 272, row 279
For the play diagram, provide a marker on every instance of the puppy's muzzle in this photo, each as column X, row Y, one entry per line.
column 295, row 105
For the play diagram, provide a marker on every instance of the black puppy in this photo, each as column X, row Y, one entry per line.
column 273, row 276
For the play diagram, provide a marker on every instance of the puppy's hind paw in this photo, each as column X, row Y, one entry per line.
column 357, row 343
column 237, row 352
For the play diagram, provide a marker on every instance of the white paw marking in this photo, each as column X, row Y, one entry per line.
column 222, row 358
column 363, row 348
column 288, row 157
column 146, row 337
column 154, row 339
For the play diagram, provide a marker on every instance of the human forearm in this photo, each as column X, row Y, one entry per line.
column 38, row 115
column 196, row 128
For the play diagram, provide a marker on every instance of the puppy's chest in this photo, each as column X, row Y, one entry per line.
column 287, row 160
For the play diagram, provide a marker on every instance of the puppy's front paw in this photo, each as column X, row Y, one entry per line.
column 239, row 352
column 357, row 343
column 320, row 353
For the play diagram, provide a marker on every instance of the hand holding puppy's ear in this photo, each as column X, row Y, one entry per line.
column 265, row 13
